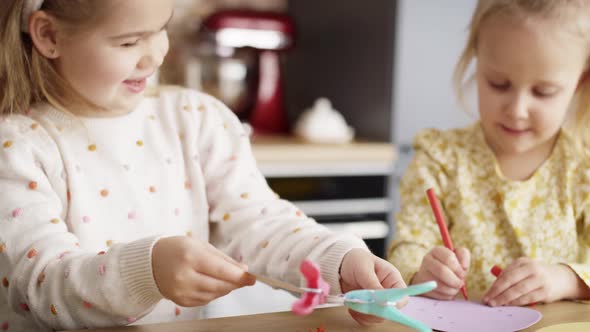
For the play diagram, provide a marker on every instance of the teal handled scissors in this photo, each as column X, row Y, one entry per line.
column 376, row 302
column 382, row 303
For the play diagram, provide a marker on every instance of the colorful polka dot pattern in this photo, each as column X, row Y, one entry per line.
column 144, row 184
column 32, row 253
column 497, row 219
column 17, row 212
column 41, row 278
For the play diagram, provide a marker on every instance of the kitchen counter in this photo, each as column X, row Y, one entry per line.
column 289, row 156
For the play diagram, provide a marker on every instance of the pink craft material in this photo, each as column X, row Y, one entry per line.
column 308, row 302
column 466, row 316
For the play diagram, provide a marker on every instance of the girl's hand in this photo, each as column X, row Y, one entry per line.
column 527, row 281
column 447, row 268
column 362, row 270
column 193, row 273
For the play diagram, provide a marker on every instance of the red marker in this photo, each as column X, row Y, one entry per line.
column 442, row 226
column 496, row 270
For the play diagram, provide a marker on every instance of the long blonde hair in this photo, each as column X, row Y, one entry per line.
column 26, row 76
column 571, row 14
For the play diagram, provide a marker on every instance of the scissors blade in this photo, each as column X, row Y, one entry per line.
column 274, row 283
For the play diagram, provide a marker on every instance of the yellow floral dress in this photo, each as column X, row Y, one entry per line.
column 546, row 217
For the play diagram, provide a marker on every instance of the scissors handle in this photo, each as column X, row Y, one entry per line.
column 382, row 303
column 389, row 295
column 377, row 302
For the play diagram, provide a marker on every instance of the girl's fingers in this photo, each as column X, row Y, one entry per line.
column 435, row 294
column 464, row 258
column 217, row 267
column 446, row 291
column 443, row 275
column 389, row 276
column 364, row 319
column 198, row 289
column 509, row 277
column 448, row 258
column 537, row 295
column 214, row 251
column 205, row 286
column 515, row 290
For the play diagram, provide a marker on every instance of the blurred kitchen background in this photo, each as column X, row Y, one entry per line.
column 384, row 65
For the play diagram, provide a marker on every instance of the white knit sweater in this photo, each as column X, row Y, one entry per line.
column 82, row 201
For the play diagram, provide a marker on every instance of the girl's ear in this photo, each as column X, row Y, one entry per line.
column 42, row 29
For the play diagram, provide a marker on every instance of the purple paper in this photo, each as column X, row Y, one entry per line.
column 466, row 316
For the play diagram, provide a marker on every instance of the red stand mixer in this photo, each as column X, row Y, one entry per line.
column 257, row 38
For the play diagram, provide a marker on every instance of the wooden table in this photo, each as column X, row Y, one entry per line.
column 334, row 319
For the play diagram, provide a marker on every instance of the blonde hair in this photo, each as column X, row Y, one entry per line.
column 571, row 14
column 26, row 76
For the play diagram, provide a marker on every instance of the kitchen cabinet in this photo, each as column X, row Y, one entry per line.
column 345, row 187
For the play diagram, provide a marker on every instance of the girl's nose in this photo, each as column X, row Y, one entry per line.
column 154, row 54
column 518, row 106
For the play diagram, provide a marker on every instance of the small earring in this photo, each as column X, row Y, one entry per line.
column 52, row 52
